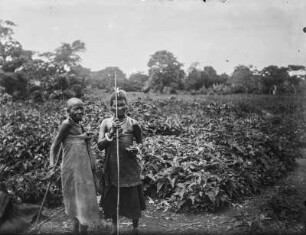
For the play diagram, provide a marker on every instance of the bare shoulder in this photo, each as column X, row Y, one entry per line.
column 133, row 121
column 106, row 121
column 65, row 124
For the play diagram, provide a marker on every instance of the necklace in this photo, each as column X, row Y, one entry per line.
column 122, row 123
column 74, row 123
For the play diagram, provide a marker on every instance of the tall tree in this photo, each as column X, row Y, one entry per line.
column 193, row 79
column 196, row 78
column 273, row 76
column 242, row 78
column 82, row 73
column 64, row 57
column 137, row 81
column 223, row 78
column 105, row 78
column 12, row 54
column 12, row 60
column 165, row 71
column 297, row 74
column 209, row 76
column 62, row 68
column 46, row 72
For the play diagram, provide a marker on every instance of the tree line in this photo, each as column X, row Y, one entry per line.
column 27, row 74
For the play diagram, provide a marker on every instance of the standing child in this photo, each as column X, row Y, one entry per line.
column 78, row 186
column 131, row 195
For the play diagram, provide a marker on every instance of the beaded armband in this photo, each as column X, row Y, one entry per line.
column 107, row 137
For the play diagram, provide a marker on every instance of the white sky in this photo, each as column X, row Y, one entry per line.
column 124, row 33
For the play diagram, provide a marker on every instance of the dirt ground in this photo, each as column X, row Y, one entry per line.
column 277, row 209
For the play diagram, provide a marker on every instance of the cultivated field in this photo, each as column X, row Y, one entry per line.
column 200, row 152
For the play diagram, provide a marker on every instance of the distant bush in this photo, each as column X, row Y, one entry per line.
column 15, row 84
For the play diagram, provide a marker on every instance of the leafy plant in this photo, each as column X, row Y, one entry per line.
column 197, row 155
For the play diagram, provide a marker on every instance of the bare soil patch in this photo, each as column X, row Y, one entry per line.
column 278, row 209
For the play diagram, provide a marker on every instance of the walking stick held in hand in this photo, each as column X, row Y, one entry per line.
column 118, row 164
column 47, row 189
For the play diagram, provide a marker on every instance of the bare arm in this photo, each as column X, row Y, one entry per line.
column 61, row 135
column 137, row 133
column 102, row 140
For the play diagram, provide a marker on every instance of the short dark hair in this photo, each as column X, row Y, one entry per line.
column 121, row 95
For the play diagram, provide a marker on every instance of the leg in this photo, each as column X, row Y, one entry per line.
column 76, row 226
column 135, row 223
column 135, row 226
column 83, row 229
column 114, row 228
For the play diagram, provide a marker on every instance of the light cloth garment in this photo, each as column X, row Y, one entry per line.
column 78, row 186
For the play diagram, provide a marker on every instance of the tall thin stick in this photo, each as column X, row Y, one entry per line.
column 49, row 217
column 118, row 164
column 47, row 189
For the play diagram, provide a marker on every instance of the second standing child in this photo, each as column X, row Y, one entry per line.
column 131, row 195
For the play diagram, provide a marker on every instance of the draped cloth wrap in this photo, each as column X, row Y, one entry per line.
column 132, row 200
column 78, row 186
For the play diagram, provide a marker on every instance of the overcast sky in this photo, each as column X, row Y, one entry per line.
column 124, row 33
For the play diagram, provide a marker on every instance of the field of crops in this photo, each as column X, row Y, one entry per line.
column 199, row 153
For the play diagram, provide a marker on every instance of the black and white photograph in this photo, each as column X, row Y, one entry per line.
column 153, row 117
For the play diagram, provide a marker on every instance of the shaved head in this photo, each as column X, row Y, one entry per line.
column 74, row 102
column 75, row 109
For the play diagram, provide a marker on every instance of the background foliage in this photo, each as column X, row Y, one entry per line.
column 199, row 153
column 39, row 76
